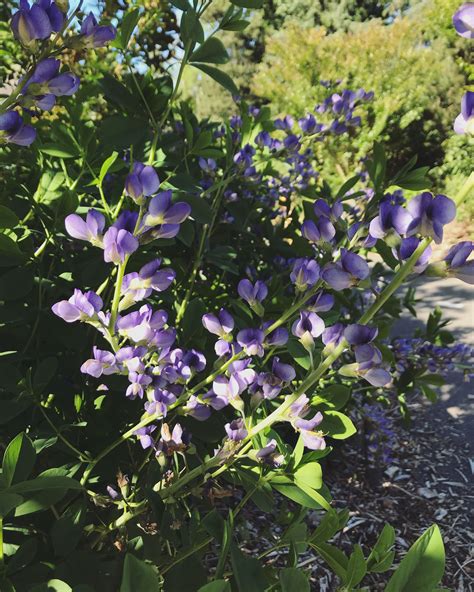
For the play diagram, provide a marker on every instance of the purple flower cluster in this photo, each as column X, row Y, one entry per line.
column 32, row 25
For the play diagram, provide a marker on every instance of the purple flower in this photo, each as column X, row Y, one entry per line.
column 138, row 381
column 36, row 22
column 269, row 455
column 142, row 325
column 171, row 441
column 318, row 232
column 118, row 245
column 236, row 430
column 392, row 219
column 139, row 285
column 145, row 436
column 252, row 341
column 430, row 214
column 368, row 360
column 46, row 83
column 263, row 139
column 407, row 247
column 271, row 383
column 360, row 334
column 196, row 409
column 94, row 35
column 323, row 209
column 208, row 165
column 304, row 274
column 463, row 20
column 333, row 335
column 458, row 265
column 314, row 440
column 164, row 217
column 103, row 362
column 89, row 230
column 320, row 302
column 14, row 131
column 141, row 182
column 307, row 327
column 253, row 294
column 221, row 324
column 80, row 307
column 278, row 336
column 309, row 125
column 347, row 272
column 464, row 122
column 286, row 123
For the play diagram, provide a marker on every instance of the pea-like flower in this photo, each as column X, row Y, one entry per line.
column 463, row 20
column 332, row 212
column 221, row 324
column 322, row 231
column 139, row 285
column 164, row 217
column 269, row 454
column 307, row 328
column 368, row 361
column 171, row 441
column 252, row 341
column 141, row 182
column 346, row 272
column 304, row 274
column 141, row 325
column 275, row 338
column 37, row 22
column 236, row 430
column 332, row 336
column 270, row 384
column 253, row 294
column 90, row 229
column 103, row 362
column 457, row 262
column 320, row 302
column 430, row 214
column 406, row 249
column 464, row 122
column 312, row 439
column 356, row 334
column 196, row 409
column 118, row 245
column 94, row 35
column 80, row 307
column 138, row 382
column 392, row 221
column 13, row 130
column 46, row 83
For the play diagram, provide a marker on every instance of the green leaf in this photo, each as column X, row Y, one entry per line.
column 381, row 549
column 52, row 586
column 335, row 558
column 293, row 579
column 195, row 310
column 309, row 474
column 347, row 186
column 104, row 169
column 220, row 77
column 191, row 30
column 334, row 397
column 180, row 4
column 216, row 586
column 24, row 555
column 422, row 567
column 235, row 25
column 302, row 495
column 9, row 501
column 8, row 219
column 356, row 568
column 138, row 575
column 248, row 572
column 337, row 425
column 18, row 460
column 59, row 151
column 248, row 3
column 200, row 210
column 10, row 253
column 299, row 353
column 129, row 22
column 212, row 51
column 46, row 483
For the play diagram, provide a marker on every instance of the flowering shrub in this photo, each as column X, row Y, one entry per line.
column 200, row 304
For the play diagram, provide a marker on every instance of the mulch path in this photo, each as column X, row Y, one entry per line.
column 430, row 480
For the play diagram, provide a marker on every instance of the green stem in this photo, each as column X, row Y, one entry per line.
column 2, row 560
column 81, row 455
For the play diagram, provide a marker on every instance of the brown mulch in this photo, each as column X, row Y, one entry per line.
column 429, row 481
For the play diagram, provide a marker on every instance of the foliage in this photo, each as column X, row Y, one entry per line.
column 133, row 438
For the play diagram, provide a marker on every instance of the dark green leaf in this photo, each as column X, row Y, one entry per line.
column 8, row 219
column 212, row 51
column 18, row 460
column 216, row 586
column 248, row 3
column 293, row 579
column 10, row 253
column 138, row 575
column 220, row 77
column 129, row 22
column 337, row 425
column 59, row 151
column 248, row 572
column 9, row 501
